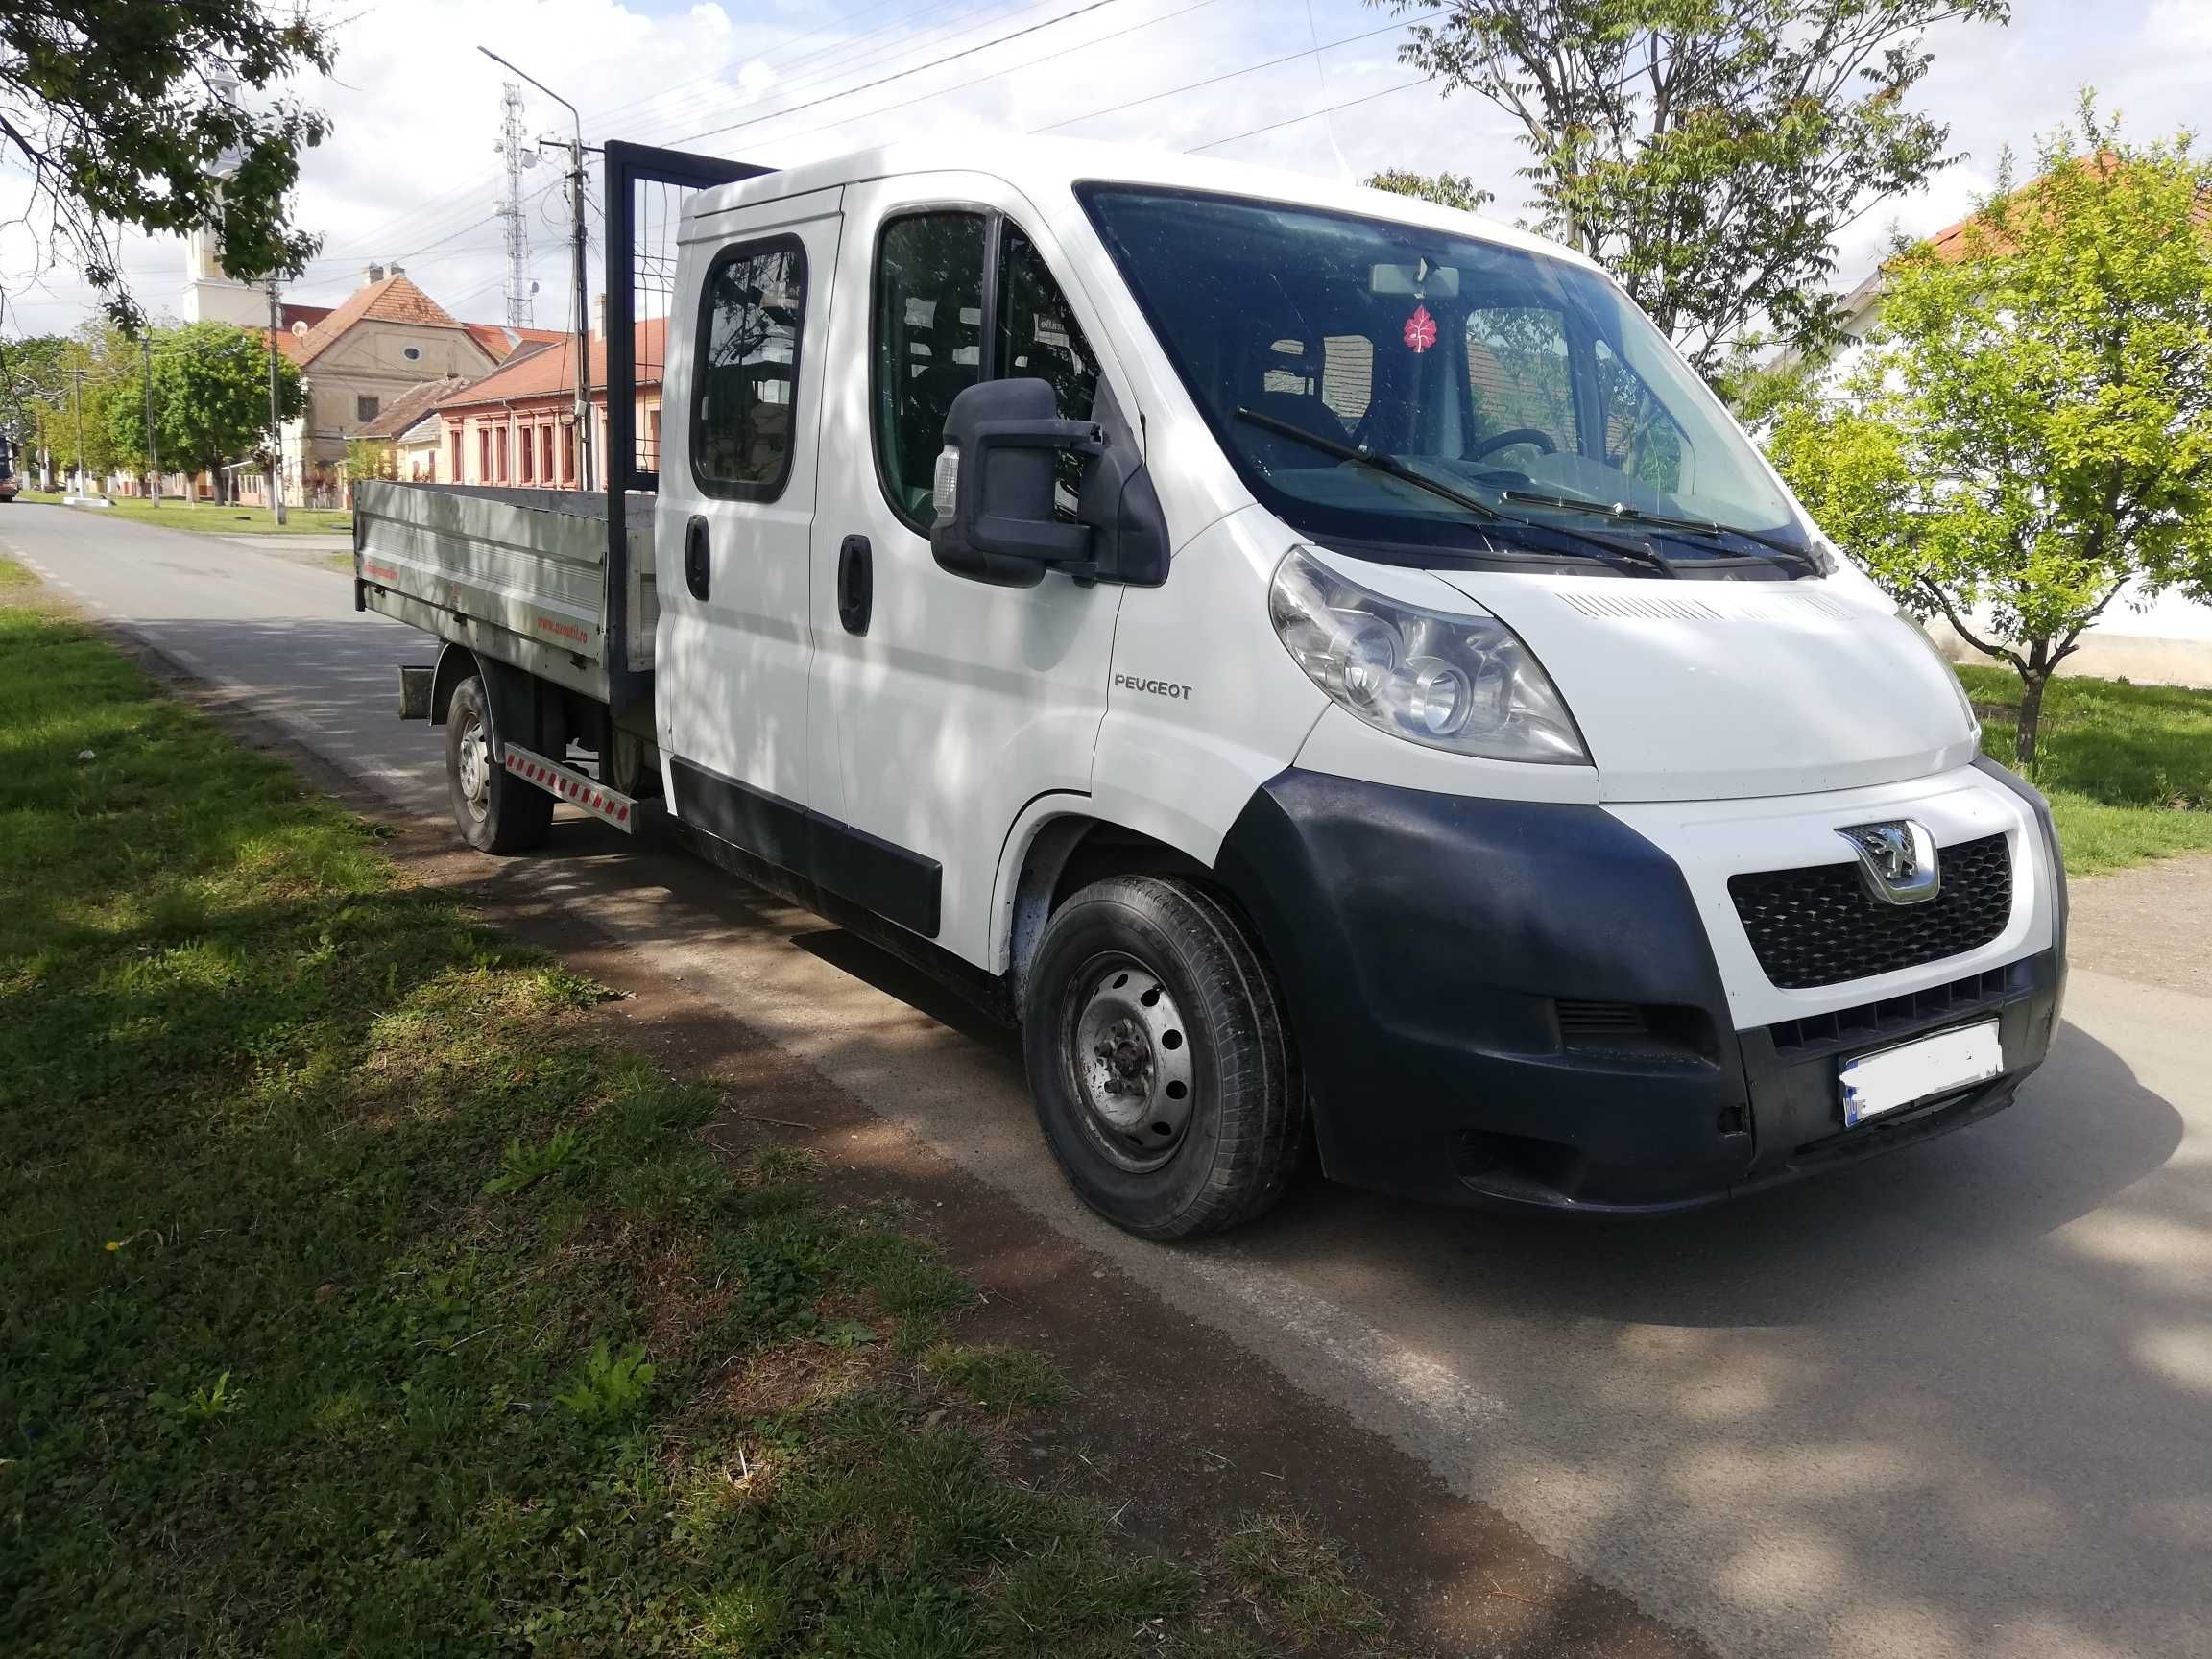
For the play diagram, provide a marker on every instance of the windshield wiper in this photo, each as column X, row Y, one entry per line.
column 1380, row 460
column 1383, row 462
column 1392, row 468
column 1622, row 512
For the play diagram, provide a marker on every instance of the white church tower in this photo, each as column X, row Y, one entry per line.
column 211, row 294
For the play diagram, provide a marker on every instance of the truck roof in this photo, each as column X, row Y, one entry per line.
column 1043, row 169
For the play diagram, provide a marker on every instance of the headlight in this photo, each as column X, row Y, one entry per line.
column 1465, row 684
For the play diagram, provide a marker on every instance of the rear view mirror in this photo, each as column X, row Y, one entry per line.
column 995, row 480
column 1429, row 281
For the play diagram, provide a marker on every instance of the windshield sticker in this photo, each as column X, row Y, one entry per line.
column 1420, row 329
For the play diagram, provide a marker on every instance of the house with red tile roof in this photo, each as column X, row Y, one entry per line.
column 516, row 426
column 373, row 351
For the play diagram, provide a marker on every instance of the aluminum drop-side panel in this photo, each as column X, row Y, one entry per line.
column 534, row 570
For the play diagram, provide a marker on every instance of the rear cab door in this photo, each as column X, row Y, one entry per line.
column 733, row 522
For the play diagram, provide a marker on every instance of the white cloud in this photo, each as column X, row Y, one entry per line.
column 410, row 170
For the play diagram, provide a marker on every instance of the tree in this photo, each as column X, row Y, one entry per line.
column 1707, row 152
column 1445, row 189
column 126, row 112
column 42, row 380
column 211, row 395
column 370, row 458
column 2029, row 435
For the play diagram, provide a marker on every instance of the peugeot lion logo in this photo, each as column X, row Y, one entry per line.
column 1897, row 860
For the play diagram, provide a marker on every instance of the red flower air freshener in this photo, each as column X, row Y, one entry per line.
column 1420, row 329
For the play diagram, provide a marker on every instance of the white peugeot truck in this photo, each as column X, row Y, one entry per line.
column 1320, row 663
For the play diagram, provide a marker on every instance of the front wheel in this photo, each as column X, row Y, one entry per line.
column 494, row 810
column 1164, row 1075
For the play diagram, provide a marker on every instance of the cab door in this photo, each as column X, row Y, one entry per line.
column 735, row 521
column 951, row 704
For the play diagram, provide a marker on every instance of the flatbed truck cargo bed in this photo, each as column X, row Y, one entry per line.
column 519, row 575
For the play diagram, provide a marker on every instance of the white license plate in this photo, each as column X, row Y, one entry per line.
column 1928, row 1065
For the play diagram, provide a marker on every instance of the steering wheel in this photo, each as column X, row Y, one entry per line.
column 1506, row 440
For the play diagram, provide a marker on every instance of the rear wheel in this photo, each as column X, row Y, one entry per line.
column 1164, row 1075
column 494, row 810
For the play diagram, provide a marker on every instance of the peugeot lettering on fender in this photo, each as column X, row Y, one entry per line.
column 1898, row 861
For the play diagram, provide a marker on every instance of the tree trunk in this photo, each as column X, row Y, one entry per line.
column 2030, row 719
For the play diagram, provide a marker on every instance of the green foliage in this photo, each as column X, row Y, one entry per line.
column 206, row 1402
column 42, row 380
column 1445, row 189
column 2029, row 433
column 522, row 1167
column 112, row 115
column 996, row 1376
column 1706, row 152
column 370, row 458
column 212, row 394
column 610, row 1387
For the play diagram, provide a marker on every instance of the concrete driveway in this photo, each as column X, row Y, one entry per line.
column 1956, row 1402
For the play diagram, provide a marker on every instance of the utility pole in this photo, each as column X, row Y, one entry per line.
column 146, row 384
column 78, row 374
column 584, row 445
column 275, row 426
column 575, row 148
column 519, row 154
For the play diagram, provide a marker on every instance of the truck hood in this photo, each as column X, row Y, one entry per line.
column 1706, row 691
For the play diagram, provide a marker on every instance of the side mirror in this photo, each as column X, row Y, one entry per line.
column 995, row 486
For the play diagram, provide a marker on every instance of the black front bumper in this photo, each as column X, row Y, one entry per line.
column 1515, row 1002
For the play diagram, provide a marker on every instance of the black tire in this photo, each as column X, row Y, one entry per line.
column 1100, row 1051
column 494, row 810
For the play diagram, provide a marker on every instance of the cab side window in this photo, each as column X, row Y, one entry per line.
column 747, row 379
column 1038, row 339
column 931, row 345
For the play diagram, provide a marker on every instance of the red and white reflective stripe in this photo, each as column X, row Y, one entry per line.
column 572, row 786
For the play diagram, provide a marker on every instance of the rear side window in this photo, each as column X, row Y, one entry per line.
column 747, row 379
column 929, row 343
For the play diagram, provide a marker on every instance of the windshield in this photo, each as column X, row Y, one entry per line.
column 1526, row 382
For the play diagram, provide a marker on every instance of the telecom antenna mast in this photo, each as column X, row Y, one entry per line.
column 520, row 153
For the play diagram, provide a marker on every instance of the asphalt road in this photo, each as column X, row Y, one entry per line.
column 1956, row 1402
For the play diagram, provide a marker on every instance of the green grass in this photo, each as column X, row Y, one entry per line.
column 359, row 1300
column 210, row 520
column 2128, row 768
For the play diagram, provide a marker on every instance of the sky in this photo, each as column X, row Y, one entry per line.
column 410, row 171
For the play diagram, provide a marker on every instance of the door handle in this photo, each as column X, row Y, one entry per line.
column 856, row 583
column 695, row 550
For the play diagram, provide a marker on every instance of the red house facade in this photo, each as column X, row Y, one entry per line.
column 517, row 426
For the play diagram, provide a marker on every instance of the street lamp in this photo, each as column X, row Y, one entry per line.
column 583, row 297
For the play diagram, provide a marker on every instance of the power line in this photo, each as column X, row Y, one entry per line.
column 602, row 116
column 995, row 75
column 1295, row 120
column 885, row 80
column 851, row 56
column 436, row 211
column 1232, row 74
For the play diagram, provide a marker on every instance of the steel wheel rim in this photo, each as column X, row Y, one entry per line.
column 474, row 765
column 1127, row 1053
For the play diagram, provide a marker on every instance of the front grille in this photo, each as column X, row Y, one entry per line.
column 1852, row 1027
column 1820, row 925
